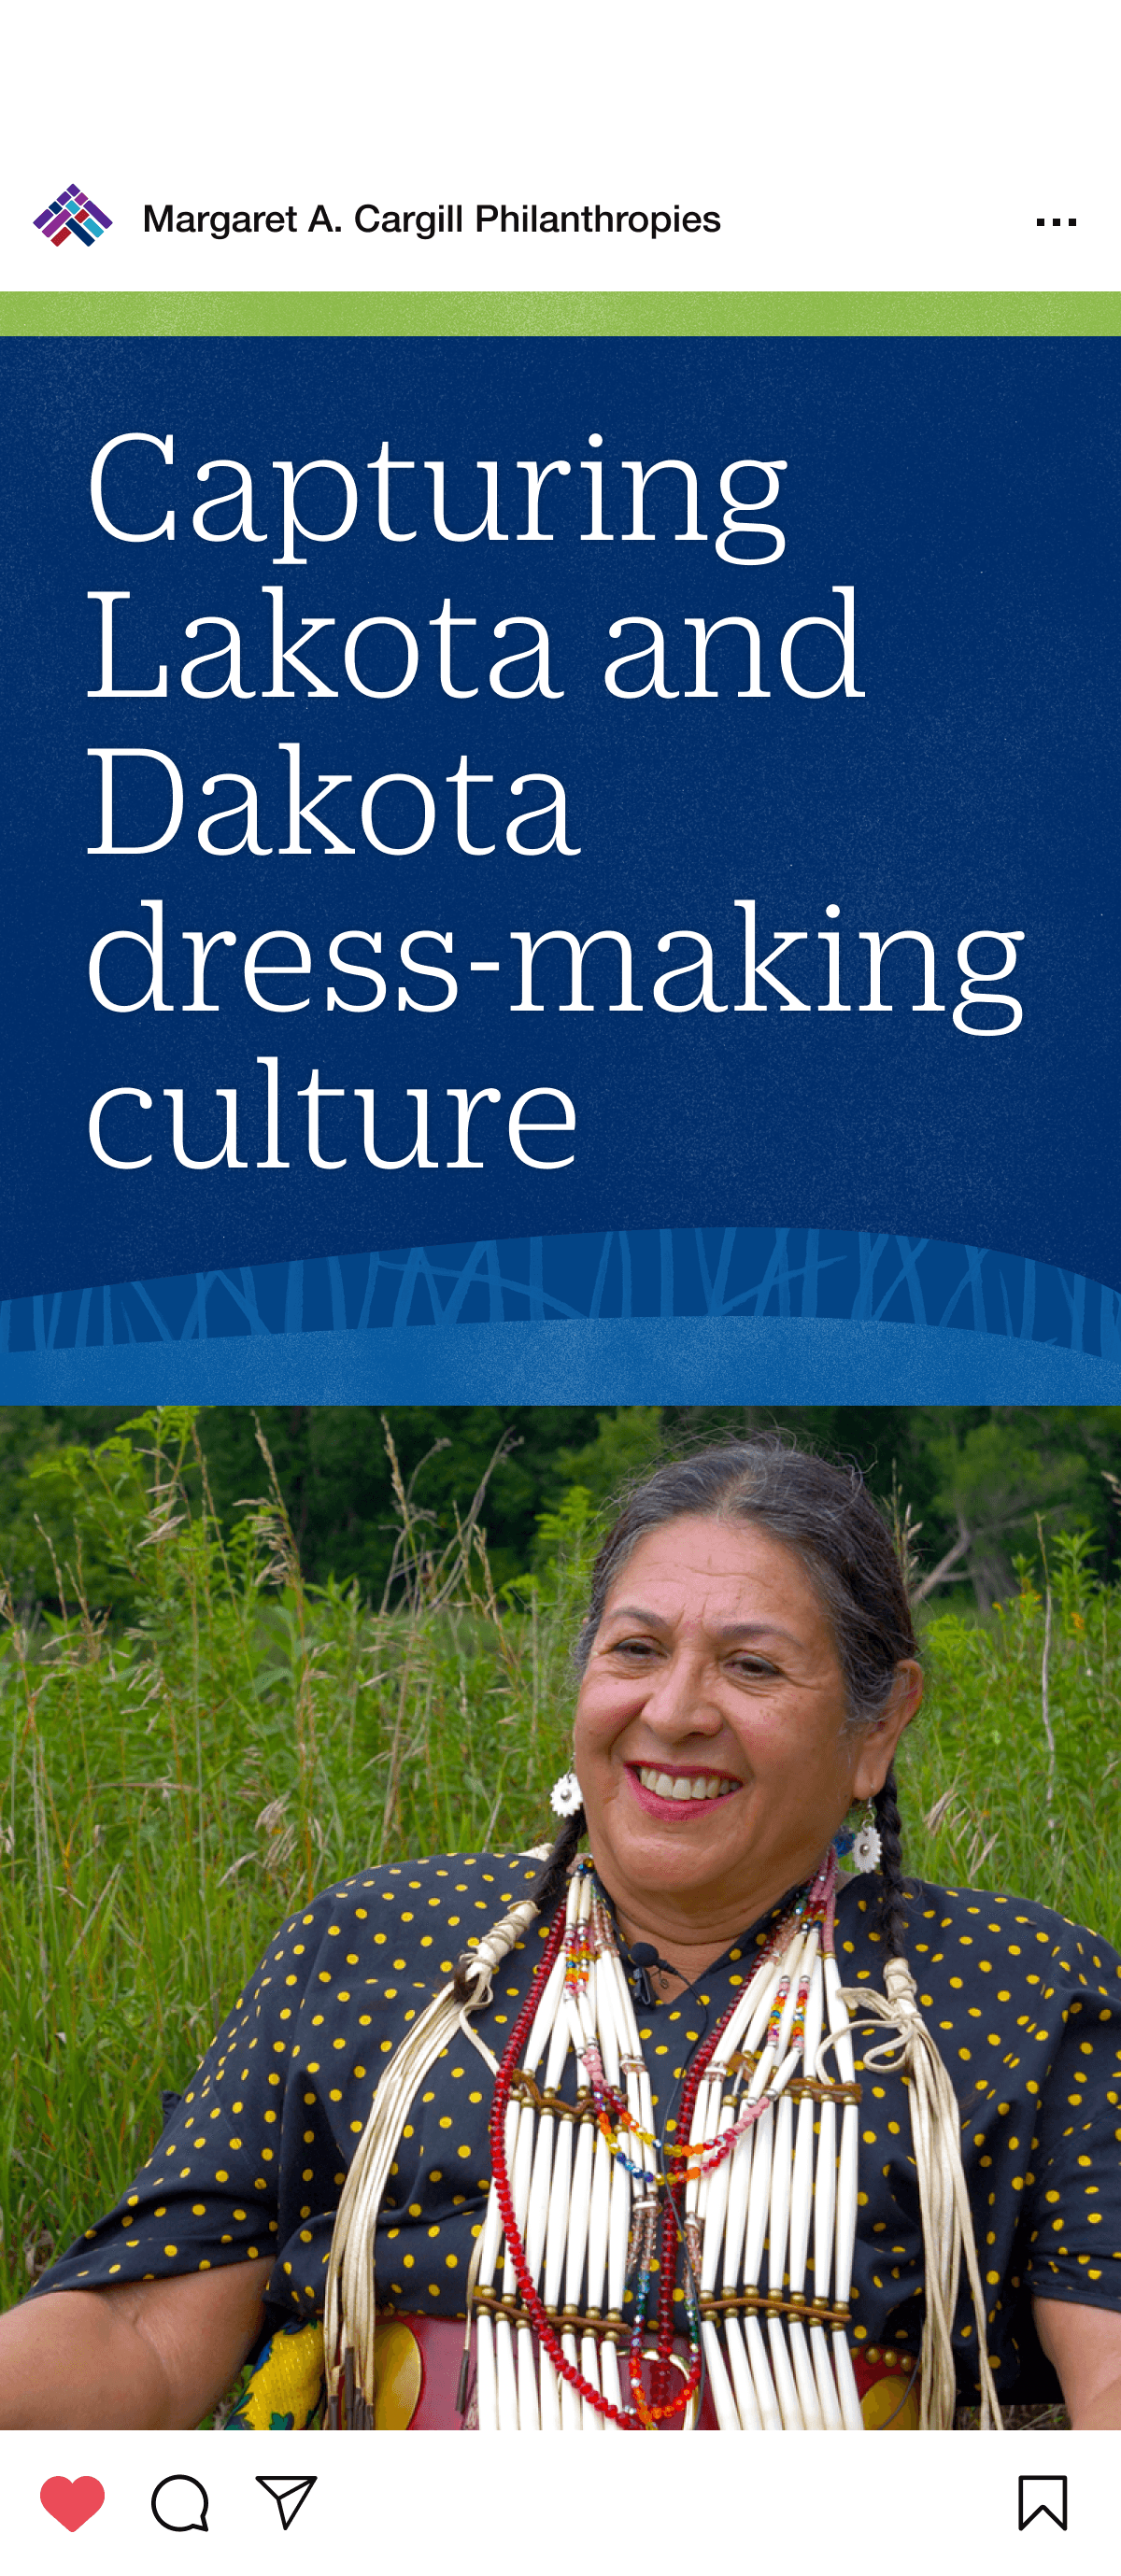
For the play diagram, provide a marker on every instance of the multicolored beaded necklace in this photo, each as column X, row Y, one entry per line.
column 584, row 2202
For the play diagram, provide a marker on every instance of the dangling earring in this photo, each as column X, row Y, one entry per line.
column 866, row 1844
column 566, row 1796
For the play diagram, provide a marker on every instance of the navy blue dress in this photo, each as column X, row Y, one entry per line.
column 1025, row 2007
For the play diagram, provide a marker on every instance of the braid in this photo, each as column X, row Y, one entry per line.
column 546, row 1892
column 893, row 1914
column 548, row 1887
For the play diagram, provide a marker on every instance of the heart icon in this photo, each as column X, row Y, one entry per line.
column 72, row 2500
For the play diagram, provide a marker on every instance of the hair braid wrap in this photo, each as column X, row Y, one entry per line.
column 550, row 1887
column 893, row 1908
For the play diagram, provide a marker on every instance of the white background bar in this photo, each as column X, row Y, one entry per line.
column 789, row 218
column 926, row 2501
column 923, row 2502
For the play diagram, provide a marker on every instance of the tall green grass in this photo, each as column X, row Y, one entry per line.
column 175, row 1779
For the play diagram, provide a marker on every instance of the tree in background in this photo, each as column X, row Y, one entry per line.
column 333, row 1470
column 999, row 1478
column 974, row 1478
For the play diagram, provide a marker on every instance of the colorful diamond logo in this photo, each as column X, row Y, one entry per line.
column 72, row 214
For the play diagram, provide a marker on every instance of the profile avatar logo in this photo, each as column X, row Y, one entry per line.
column 72, row 212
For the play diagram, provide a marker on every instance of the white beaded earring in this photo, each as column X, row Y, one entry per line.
column 566, row 1796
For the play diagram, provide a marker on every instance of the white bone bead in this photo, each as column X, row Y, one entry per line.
column 751, row 2015
column 825, row 2199
column 572, row 2405
column 832, row 2419
column 604, row 2005
column 611, row 2382
column 529, row 2420
column 492, row 2225
column 780, row 2193
column 712, row 2246
column 580, row 2210
column 537, row 2215
column 706, row 2092
column 759, row 2199
column 560, row 2198
column 801, row 2195
column 492, row 2235
column 618, row 2236
column 545, row 2016
column 761, row 2374
column 839, row 2021
column 623, row 2002
column 520, row 2179
column 589, row 2364
column 646, row 2120
column 736, row 2221
column 486, row 2385
column 804, row 2375
column 782, row 2370
column 746, row 2399
column 801, row 2203
column 598, row 2225
column 846, row 2203
column 727, row 2411
column 560, row 2043
column 550, row 2395
column 815, row 2014
column 846, row 2384
column 506, row 2375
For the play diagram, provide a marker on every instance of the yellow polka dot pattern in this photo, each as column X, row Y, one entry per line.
column 1025, row 2007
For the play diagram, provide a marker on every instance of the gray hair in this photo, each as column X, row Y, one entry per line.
column 822, row 1513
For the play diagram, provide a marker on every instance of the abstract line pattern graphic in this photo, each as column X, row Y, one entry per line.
column 741, row 1271
column 72, row 215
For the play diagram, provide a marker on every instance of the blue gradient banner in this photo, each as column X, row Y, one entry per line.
column 532, row 797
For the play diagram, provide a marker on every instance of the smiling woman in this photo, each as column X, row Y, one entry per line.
column 674, row 2142
column 715, row 1746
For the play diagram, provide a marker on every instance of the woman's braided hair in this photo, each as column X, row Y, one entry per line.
column 825, row 1515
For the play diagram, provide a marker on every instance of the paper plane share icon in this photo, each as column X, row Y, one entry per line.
column 288, row 2494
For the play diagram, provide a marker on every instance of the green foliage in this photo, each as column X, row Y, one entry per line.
column 1012, row 1777
column 170, row 1786
column 332, row 1468
column 628, row 1443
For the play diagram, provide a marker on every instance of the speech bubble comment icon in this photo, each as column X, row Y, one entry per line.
column 72, row 2500
column 1044, row 2497
column 181, row 2504
column 288, row 2494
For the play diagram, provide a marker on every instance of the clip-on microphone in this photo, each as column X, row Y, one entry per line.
column 643, row 1956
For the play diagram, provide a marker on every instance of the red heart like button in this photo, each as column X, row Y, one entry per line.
column 72, row 2500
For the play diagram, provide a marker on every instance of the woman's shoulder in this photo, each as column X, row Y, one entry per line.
column 460, row 1892
column 979, row 1925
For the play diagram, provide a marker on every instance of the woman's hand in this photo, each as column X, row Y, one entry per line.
column 1084, row 2346
column 152, row 2354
